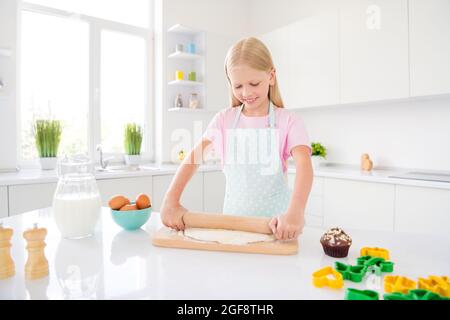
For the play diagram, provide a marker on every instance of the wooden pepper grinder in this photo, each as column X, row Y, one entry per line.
column 366, row 163
column 7, row 267
column 37, row 265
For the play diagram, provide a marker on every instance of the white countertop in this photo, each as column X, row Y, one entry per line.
column 340, row 171
column 30, row 176
column 381, row 175
column 118, row 264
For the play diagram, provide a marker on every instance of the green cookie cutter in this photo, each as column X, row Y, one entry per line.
column 355, row 294
column 416, row 294
column 375, row 264
column 352, row 273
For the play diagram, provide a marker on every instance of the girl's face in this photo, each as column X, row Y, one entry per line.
column 251, row 86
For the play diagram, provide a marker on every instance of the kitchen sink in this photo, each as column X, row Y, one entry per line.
column 123, row 168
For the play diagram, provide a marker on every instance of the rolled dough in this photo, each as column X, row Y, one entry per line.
column 226, row 236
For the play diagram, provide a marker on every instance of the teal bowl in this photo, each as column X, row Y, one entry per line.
column 131, row 220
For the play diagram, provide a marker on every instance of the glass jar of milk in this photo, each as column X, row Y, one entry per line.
column 76, row 203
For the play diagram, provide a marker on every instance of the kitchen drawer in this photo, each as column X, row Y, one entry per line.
column 129, row 187
column 3, row 202
column 359, row 205
column 314, row 205
column 23, row 198
column 422, row 210
column 316, row 188
column 313, row 221
column 192, row 197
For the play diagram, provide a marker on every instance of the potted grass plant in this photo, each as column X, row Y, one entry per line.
column 132, row 143
column 319, row 153
column 47, row 135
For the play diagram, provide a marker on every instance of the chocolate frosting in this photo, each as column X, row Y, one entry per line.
column 336, row 237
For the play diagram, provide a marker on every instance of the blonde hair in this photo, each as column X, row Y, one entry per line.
column 253, row 53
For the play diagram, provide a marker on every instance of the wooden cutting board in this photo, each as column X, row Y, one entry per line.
column 171, row 239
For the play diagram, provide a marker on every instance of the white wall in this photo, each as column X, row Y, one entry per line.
column 225, row 22
column 411, row 134
column 8, row 39
column 268, row 15
column 408, row 134
column 221, row 20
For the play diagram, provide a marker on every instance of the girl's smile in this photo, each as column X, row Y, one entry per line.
column 251, row 87
column 249, row 100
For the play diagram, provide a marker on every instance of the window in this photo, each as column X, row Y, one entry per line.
column 90, row 73
column 54, row 80
column 123, row 66
column 133, row 12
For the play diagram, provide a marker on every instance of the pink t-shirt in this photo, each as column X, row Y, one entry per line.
column 292, row 131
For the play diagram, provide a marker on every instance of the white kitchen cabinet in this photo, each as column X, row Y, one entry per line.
column 429, row 44
column 306, row 55
column 3, row 202
column 359, row 205
column 313, row 221
column 374, row 50
column 213, row 191
column 314, row 79
column 22, row 198
column 192, row 197
column 422, row 210
column 314, row 205
column 129, row 187
column 277, row 41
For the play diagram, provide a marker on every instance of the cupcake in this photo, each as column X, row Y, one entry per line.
column 336, row 242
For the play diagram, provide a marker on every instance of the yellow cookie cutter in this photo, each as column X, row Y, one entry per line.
column 321, row 279
column 436, row 284
column 398, row 284
column 375, row 252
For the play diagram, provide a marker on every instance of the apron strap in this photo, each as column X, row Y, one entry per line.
column 236, row 119
column 271, row 116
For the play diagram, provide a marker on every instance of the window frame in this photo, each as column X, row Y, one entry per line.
column 96, row 26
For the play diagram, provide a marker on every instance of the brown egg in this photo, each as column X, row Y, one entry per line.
column 117, row 202
column 143, row 201
column 129, row 207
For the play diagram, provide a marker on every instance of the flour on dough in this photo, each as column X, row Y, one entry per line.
column 226, row 236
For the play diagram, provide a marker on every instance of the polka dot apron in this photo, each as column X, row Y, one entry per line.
column 255, row 183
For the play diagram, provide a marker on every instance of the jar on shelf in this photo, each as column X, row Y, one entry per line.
column 179, row 75
column 179, row 47
column 178, row 101
column 192, row 76
column 191, row 48
column 194, row 102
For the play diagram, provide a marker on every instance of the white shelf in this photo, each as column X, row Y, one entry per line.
column 185, row 56
column 5, row 52
column 185, row 83
column 190, row 110
column 183, row 60
column 179, row 28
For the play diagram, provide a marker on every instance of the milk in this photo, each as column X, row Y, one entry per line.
column 76, row 216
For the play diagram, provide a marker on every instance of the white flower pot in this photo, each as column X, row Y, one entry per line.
column 48, row 163
column 133, row 160
column 316, row 161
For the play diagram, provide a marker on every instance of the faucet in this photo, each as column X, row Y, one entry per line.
column 103, row 163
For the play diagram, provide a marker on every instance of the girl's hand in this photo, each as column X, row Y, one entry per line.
column 172, row 214
column 287, row 226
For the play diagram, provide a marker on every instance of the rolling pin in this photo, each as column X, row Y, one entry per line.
column 227, row 222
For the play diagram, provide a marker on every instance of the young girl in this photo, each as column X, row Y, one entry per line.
column 254, row 138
